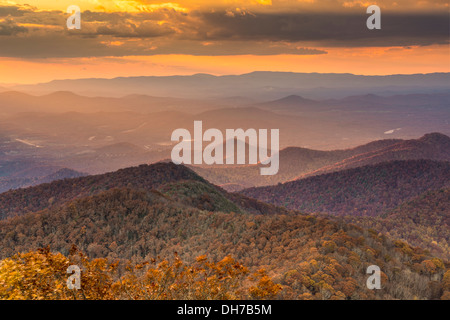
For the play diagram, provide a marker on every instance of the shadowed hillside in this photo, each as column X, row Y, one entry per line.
column 362, row 191
column 298, row 163
column 146, row 177
column 423, row 221
column 311, row 258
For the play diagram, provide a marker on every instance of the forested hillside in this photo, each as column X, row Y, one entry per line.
column 311, row 258
column 423, row 221
column 362, row 191
column 296, row 163
column 432, row 146
column 146, row 177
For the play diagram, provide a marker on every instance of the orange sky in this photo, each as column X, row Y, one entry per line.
column 171, row 23
column 369, row 61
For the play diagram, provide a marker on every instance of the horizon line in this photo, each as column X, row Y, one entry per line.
column 219, row 76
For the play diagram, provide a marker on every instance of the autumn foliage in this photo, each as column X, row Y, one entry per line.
column 43, row 275
column 164, row 209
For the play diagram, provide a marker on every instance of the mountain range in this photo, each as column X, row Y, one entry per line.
column 101, row 134
column 36, row 175
column 363, row 191
column 147, row 211
column 20, row 201
column 255, row 85
column 364, row 180
column 296, row 163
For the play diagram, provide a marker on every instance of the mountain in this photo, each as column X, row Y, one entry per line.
column 362, row 191
column 165, row 209
column 63, row 118
column 147, row 177
column 293, row 104
column 408, row 101
column 96, row 129
column 293, row 162
column 398, row 116
column 422, row 221
column 33, row 175
column 13, row 102
column 255, row 85
column 432, row 146
column 298, row 163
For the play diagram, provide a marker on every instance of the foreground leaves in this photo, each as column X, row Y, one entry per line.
column 41, row 275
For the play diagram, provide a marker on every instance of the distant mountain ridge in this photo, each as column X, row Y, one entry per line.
column 67, row 100
column 62, row 118
column 432, row 146
column 299, row 104
column 36, row 175
column 260, row 85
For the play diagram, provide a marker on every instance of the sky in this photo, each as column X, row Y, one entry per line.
column 146, row 37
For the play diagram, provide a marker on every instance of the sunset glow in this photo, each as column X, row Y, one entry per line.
column 144, row 37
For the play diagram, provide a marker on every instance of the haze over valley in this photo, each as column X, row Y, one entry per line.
column 363, row 177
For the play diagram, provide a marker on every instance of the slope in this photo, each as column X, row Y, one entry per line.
column 147, row 177
column 433, row 146
column 423, row 221
column 312, row 258
column 362, row 191
column 296, row 163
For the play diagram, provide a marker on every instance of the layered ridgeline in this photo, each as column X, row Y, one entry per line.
column 406, row 200
column 432, row 146
column 145, row 177
column 363, row 191
column 148, row 211
column 298, row 163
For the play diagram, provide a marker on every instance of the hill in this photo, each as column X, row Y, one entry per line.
column 362, row 191
column 143, row 177
column 35, row 175
column 423, row 221
column 64, row 120
column 433, row 146
column 298, row 163
column 312, row 258
column 257, row 85
column 65, row 100
column 293, row 104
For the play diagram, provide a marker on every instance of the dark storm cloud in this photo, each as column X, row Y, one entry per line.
column 60, row 46
column 330, row 29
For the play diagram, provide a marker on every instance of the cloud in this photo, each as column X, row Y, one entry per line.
column 9, row 28
column 144, row 29
column 14, row 11
column 327, row 29
column 303, row 5
column 28, row 32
